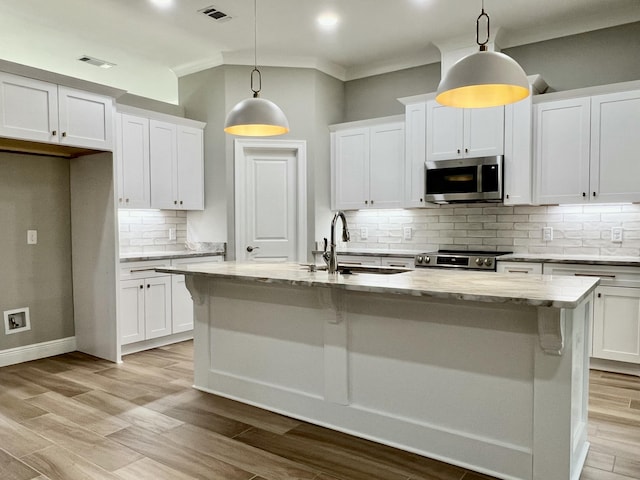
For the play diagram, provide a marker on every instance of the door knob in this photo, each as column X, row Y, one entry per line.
column 251, row 249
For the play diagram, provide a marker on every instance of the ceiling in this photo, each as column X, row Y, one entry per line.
column 153, row 46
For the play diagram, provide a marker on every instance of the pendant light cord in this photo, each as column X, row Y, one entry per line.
column 255, row 70
column 483, row 45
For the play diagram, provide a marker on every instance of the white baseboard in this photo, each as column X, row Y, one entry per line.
column 613, row 366
column 36, row 351
column 156, row 342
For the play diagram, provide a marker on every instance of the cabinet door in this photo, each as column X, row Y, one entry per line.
column 28, row 109
column 616, row 324
column 350, row 167
column 615, row 143
column 519, row 267
column 386, row 166
column 562, row 131
column 162, row 165
column 415, row 154
column 131, row 314
column 518, row 152
column 483, row 132
column 181, row 305
column 86, row 119
column 133, row 161
column 157, row 303
column 444, row 132
column 190, row 168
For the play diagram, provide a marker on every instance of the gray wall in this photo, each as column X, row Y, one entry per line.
column 310, row 99
column 34, row 195
column 595, row 58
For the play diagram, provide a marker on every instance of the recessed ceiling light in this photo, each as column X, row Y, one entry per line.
column 162, row 3
column 328, row 20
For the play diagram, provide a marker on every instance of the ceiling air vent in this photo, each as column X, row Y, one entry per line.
column 213, row 12
column 96, row 62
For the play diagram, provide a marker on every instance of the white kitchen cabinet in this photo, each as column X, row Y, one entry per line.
column 131, row 311
column 518, row 152
column 415, row 154
column 44, row 112
column 463, row 132
column 399, row 262
column 368, row 166
column 519, row 267
column 616, row 324
column 132, row 151
column 145, row 308
column 176, row 166
column 586, row 149
column 182, row 304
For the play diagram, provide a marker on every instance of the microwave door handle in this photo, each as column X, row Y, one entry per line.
column 479, row 178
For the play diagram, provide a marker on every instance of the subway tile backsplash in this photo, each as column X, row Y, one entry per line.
column 143, row 231
column 577, row 229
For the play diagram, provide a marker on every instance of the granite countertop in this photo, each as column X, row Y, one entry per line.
column 532, row 290
column 140, row 257
column 575, row 259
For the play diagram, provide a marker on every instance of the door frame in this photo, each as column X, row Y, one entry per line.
column 299, row 147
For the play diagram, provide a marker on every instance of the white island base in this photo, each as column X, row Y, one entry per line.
column 495, row 387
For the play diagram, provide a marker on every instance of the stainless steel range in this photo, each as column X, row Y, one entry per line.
column 465, row 259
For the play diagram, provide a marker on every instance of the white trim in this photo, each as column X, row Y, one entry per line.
column 37, row 351
column 300, row 149
column 162, row 117
column 156, row 342
column 614, row 366
column 370, row 122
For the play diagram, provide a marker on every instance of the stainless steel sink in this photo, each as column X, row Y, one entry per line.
column 356, row 269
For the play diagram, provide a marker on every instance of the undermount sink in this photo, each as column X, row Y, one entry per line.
column 355, row 269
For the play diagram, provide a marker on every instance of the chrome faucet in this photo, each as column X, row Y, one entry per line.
column 330, row 257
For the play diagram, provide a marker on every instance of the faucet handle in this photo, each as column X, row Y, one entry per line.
column 326, row 244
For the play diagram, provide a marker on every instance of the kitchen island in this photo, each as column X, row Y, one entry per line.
column 483, row 370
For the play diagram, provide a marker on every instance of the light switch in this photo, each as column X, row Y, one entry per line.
column 616, row 234
column 407, row 233
column 32, row 237
column 172, row 234
column 364, row 233
column 547, row 234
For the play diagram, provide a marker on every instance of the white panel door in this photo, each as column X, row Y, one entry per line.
column 133, row 161
column 415, row 154
column 131, row 315
column 616, row 324
column 562, row 136
column 86, row 119
column 28, row 109
column 444, row 132
column 163, row 157
column 181, row 305
column 483, row 132
column 157, row 307
column 386, row 166
column 615, row 147
column 350, row 169
column 190, row 168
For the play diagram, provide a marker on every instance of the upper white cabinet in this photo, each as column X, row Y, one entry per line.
column 132, row 151
column 177, row 166
column 586, row 149
column 368, row 166
column 44, row 112
column 463, row 132
column 415, row 154
column 518, row 152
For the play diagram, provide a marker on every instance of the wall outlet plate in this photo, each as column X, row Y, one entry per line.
column 32, row 237
column 407, row 233
column 616, row 234
column 172, row 234
column 364, row 233
column 547, row 234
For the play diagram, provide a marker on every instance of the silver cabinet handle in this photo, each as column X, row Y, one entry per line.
column 518, row 271
column 153, row 269
column 603, row 275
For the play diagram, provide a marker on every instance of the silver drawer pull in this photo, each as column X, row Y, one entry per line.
column 518, row 271
column 396, row 265
column 603, row 275
column 349, row 263
column 153, row 269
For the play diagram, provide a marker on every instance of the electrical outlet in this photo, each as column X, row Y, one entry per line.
column 32, row 237
column 547, row 234
column 616, row 234
column 364, row 233
column 407, row 233
column 172, row 234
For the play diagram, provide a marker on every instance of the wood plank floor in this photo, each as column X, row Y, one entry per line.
column 74, row 417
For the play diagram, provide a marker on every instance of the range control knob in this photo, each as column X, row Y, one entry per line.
column 427, row 259
column 479, row 261
column 488, row 262
column 419, row 259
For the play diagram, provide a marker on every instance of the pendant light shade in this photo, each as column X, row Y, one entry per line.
column 256, row 117
column 484, row 78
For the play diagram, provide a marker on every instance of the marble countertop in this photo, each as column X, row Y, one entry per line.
column 140, row 257
column 532, row 290
column 576, row 259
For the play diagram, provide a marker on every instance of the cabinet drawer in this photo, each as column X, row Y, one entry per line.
column 519, row 267
column 609, row 275
column 145, row 269
column 400, row 262
column 358, row 260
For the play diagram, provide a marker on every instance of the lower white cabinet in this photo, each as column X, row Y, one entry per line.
column 154, row 305
column 519, row 267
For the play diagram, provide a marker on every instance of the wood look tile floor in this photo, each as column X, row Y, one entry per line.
column 74, row 417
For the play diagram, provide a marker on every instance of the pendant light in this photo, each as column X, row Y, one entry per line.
column 255, row 116
column 483, row 79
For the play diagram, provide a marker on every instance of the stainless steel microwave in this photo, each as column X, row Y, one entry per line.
column 476, row 179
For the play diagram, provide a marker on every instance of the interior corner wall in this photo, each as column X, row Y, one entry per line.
column 34, row 195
